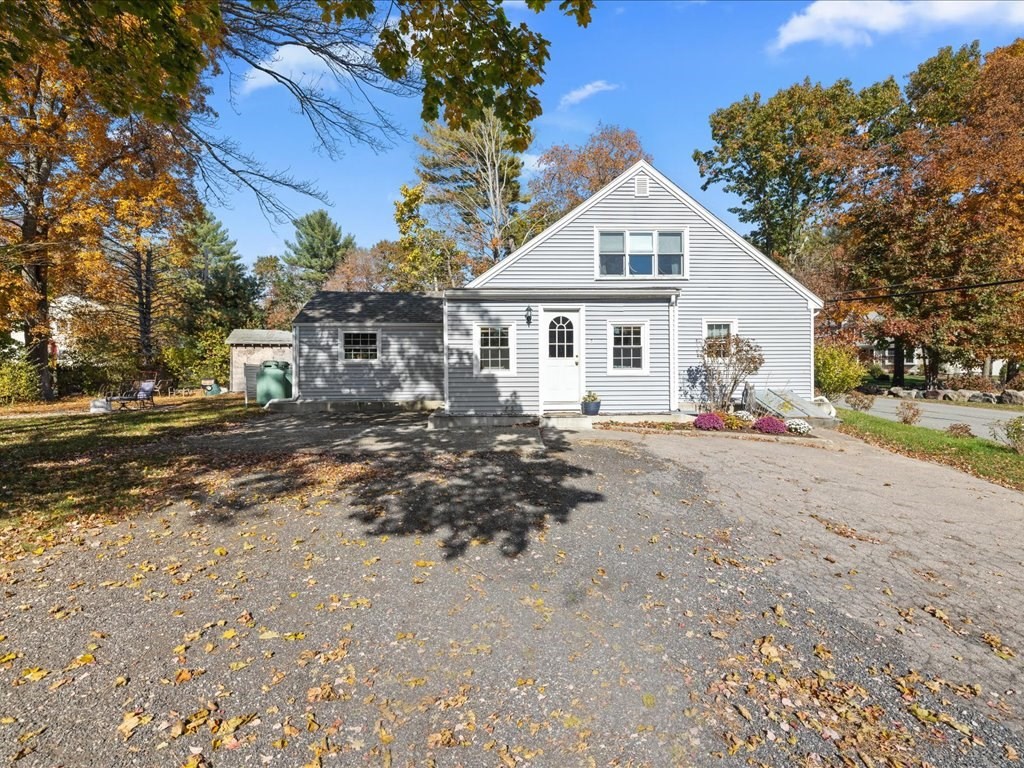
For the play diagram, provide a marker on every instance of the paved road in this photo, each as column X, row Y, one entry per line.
column 941, row 415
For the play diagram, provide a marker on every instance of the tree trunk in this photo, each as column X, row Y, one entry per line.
column 37, row 328
column 899, row 363
column 931, row 367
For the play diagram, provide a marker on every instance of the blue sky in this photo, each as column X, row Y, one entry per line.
column 660, row 68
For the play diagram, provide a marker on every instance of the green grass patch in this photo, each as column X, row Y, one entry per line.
column 60, row 468
column 978, row 456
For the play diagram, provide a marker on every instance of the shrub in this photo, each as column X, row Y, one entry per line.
column 18, row 380
column 959, row 430
column 798, row 426
column 1010, row 432
column 875, row 371
column 731, row 420
column 970, row 381
column 746, row 416
column 709, row 421
column 837, row 369
column 770, row 425
column 1016, row 383
column 591, row 397
column 908, row 412
column 727, row 363
column 859, row 401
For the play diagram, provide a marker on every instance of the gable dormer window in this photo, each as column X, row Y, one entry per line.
column 641, row 254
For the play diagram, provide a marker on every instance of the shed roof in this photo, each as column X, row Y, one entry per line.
column 370, row 307
column 259, row 336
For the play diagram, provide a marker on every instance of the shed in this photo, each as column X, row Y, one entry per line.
column 354, row 346
column 253, row 346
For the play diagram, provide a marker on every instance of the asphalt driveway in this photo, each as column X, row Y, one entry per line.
column 373, row 594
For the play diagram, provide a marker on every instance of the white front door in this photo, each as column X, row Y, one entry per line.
column 561, row 340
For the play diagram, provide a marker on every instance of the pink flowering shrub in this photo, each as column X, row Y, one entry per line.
column 710, row 421
column 770, row 425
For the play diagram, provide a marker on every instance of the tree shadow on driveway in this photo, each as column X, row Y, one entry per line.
column 475, row 496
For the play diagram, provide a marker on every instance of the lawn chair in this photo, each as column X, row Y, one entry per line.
column 139, row 394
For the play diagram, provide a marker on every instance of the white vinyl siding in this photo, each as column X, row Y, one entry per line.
column 721, row 279
column 408, row 367
column 622, row 391
column 489, row 392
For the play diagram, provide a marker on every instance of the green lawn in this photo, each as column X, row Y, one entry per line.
column 975, row 455
column 57, row 468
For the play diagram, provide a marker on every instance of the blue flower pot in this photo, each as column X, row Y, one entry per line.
column 591, row 409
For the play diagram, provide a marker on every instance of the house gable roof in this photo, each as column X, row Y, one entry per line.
column 259, row 336
column 362, row 307
column 644, row 167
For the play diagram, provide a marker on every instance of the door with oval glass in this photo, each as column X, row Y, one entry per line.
column 562, row 337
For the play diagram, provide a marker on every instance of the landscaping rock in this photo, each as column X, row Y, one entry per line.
column 1012, row 397
column 988, row 397
column 967, row 394
column 897, row 392
column 951, row 394
column 932, row 394
column 977, row 397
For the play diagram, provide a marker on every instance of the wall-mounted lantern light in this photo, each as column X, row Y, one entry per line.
column 529, row 315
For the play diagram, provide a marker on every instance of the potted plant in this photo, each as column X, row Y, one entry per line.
column 591, row 404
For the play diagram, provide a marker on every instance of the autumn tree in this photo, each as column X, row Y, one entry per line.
column 472, row 186
column 932, row 206
column 366, row 269
column 426, row 259
column 72, row 173
column 768, row 153
column 569, row 175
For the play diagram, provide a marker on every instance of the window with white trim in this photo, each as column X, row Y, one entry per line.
column 360, row 345
column 719, row 332
column 640, row 254
column 627, row 348
column 495, row 349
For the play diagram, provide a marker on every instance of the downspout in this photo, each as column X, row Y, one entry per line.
column 814, row 314
column 444, row 350
column 673, row 352
column 295, row 362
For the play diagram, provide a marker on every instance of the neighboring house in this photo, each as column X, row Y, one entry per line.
column 252, row 346
column 616, row 297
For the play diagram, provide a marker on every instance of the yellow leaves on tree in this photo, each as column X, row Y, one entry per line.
column 71, row 175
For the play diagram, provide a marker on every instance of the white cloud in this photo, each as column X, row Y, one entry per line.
column 531, row 162
column 584, row 92
column 293, row 61
column 857, row 22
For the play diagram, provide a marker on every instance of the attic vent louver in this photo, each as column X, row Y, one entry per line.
column 641, row 183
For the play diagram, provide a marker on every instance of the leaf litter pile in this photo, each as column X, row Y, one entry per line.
column 451, row 609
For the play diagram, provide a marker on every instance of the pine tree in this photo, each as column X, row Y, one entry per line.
column 319, row 247
column 220, row 292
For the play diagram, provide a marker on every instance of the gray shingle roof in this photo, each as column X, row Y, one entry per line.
column 259, row 336
column 366, row 307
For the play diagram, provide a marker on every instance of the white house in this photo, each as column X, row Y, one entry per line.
column 617, row 297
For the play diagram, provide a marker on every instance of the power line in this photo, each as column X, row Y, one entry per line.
column 924, row 291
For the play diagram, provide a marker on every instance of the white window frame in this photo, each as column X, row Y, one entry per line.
column 732, row 322
column 626, row 231
column 355, row 329
column 645, row 341
column 511, row 371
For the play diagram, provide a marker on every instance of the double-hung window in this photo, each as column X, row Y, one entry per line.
column 495, row 349
column 640, row 254
column 627, row 348
column 360, row 345
column 718, row 333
